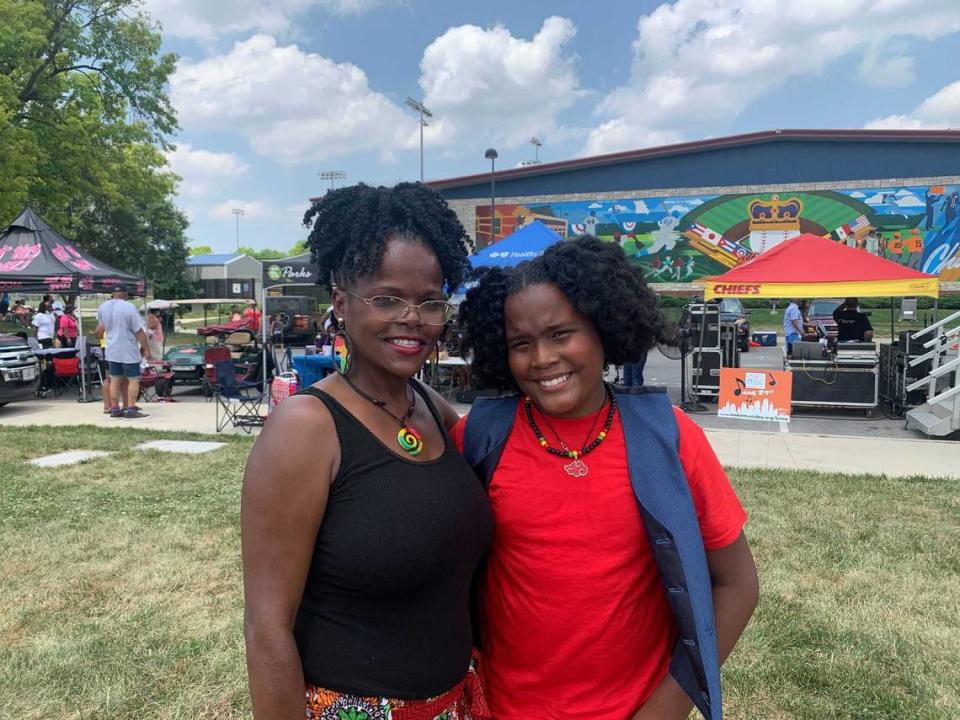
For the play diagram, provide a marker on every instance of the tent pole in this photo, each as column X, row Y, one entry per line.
column 263, row 337
column 86, row 354
column 891, row 320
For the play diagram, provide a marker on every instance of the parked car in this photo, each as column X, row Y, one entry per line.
column 731, row 311
column 299, row 316
column 19, row 369
column 820, row 312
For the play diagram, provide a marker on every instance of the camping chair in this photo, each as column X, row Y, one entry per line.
column 66, row 374
column 238, row 402
column 211, row 356
column 908, row 309
column 155, row 381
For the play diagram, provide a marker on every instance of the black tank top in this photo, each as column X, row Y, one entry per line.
column 385, row 610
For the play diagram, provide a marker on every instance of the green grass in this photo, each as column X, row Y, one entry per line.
column 121, row 593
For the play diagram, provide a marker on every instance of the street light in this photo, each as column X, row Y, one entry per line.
column 418, row 106
column 332, row 175
column 238, row 212
column 536, row 149
column 491, row 155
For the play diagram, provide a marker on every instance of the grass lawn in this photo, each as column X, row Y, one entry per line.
column 121, row 592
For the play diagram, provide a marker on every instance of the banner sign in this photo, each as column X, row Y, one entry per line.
column 755, row 394
column 290, row 271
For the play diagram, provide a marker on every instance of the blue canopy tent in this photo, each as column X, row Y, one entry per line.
column 526, row 243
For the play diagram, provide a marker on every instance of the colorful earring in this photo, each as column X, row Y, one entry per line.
column 341, row 351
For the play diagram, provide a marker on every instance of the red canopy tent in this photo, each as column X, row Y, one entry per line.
column 811, row 266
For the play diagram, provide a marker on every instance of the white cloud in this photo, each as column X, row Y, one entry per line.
column 485, row 85
column 291, row 105
column 210, row 19
column 252, row 210
column 910, row 202
column 699, row 62
column 886, row 66
column 204, row 172
column 940, row 110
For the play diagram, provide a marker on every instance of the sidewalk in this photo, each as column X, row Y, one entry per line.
column 736, row 448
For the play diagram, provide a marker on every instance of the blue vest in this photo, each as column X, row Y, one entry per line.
column 668, row 514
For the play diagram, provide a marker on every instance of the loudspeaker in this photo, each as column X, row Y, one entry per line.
column 705, row 369
column 705, row 326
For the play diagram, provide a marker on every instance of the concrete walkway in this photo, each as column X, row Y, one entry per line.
column 743, row 448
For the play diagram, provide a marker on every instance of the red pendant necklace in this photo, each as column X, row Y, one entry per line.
column 577, row 467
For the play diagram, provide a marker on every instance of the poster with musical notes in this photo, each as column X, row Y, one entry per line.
column 755, row 394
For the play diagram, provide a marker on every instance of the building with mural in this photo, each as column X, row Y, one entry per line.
column 684, row 212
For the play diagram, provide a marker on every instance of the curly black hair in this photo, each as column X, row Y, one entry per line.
column 598, row 280
column 351, row 226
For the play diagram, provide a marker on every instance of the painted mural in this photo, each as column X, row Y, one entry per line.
column 685, row 238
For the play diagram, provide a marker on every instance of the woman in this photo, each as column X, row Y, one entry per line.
column 66, row 325
column 361, row 525
column 45, row 322
column 235, row 314
column 154, row 333
column 592, row 490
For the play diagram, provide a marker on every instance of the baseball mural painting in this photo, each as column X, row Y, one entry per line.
column 687, row 238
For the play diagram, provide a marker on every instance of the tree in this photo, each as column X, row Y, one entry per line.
column 200, row 250
column 83, row 120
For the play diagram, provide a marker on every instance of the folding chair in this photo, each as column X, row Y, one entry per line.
column 238, row 401
column 155, row 381
column 211, row 356
column 66, row 374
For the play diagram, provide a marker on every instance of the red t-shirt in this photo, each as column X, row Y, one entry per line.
column 576, row 622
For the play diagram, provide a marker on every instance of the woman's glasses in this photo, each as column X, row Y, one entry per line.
column 388, row 308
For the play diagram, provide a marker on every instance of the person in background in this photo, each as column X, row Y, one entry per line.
column 4, row 305
column 235, row 313
column 66, row 326
column 45, row 323
column 120, row 321
column 251, row 311
column 852, row 325
column 154, row 332
column 792, row 324
column 21, row 313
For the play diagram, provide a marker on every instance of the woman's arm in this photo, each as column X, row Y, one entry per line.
column 285, row 490
column 736, row 590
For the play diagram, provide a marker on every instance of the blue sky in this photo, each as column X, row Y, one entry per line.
column 271, row 92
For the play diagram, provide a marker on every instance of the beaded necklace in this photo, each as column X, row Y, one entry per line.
column 576, row 468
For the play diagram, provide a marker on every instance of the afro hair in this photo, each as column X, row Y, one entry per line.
column 351, row 226
column 596, row 278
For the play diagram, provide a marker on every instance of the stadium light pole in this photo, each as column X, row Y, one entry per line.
column 419, row 107
column 332, row 175
column 536, row 149
column 238, row 212
column 491, row 155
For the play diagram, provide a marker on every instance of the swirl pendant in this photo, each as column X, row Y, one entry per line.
column 409, row 439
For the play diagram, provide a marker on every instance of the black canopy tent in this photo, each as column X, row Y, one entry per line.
column 35, row 258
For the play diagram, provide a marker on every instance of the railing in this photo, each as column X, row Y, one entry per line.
column 939, row 349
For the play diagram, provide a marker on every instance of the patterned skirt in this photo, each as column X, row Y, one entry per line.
column 464, row 702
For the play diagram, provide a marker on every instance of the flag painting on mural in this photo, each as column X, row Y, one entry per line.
column 685, row 238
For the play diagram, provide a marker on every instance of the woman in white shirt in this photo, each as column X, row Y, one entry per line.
column 45, row 323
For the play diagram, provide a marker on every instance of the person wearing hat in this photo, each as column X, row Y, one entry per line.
column 123, row 326
column 44, row 321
